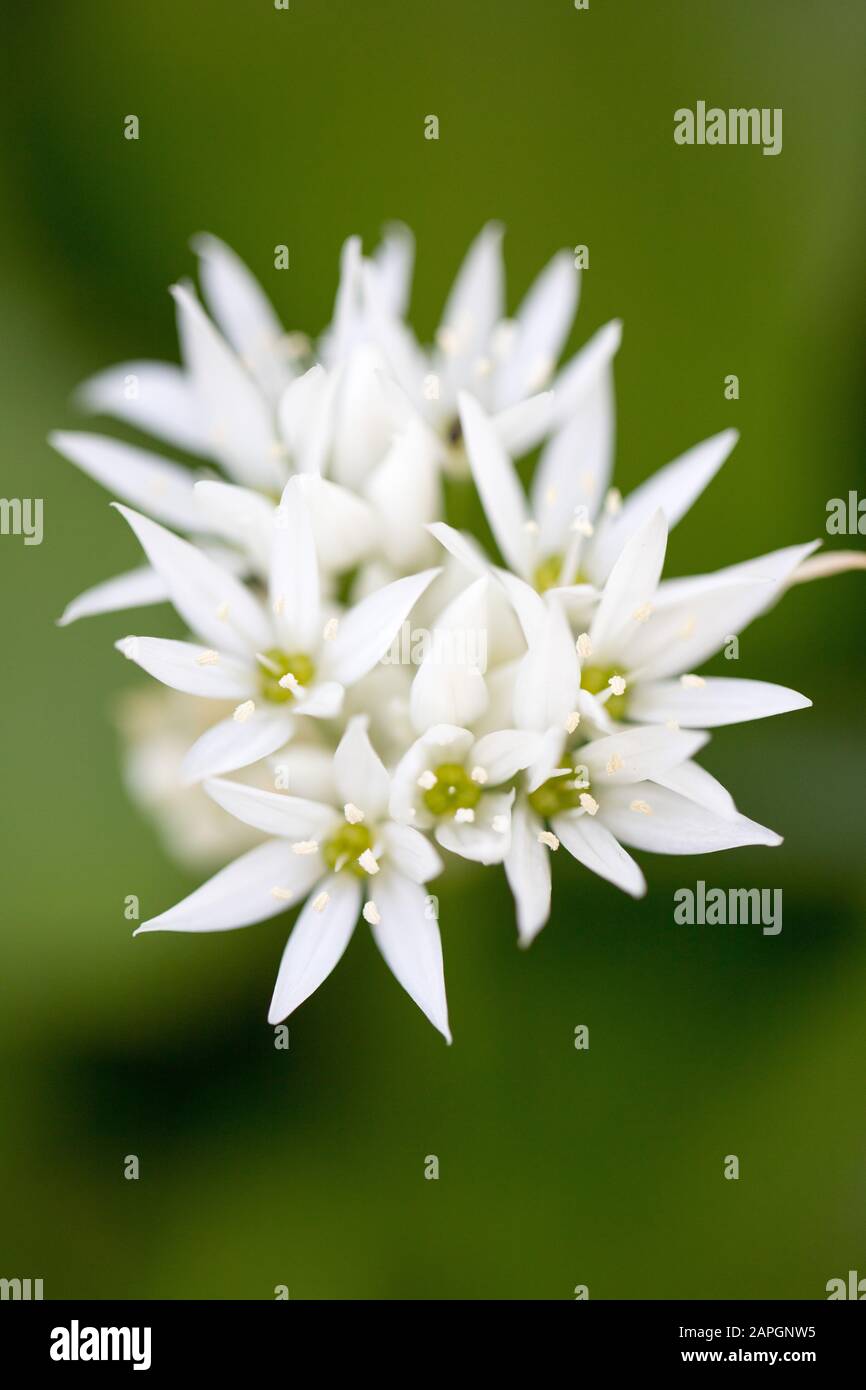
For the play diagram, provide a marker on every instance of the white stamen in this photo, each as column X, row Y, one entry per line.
column 290, row 682
column 268, row 664
column 329, row 631
column 613, row 502
column 584, row 645
column 305, row 847
column 352, row 813
column 673, row 725
column 427, row 780
column 208, row 658
column 692, row 682
column 531, row 527
column 617, row 685
column 643, row 808
column 589, row 803
column 283, row 895
column 641, row 614
column 581, row 523
column 614, row 763
column 572, row 722
column 243, row 711
column 320, row 901
column 368, row 861
column 547, row 837
column 464, row 815
column 371, row 913
column 478, row 775
column 279, row 604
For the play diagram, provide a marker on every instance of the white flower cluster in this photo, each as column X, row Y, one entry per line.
column 543, row 703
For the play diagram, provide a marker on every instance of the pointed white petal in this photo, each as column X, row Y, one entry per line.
column 363, row 423
column 191, row 668
column 776, row 568
column 528, row 604
column 231, row 744
column 527, row 868
column 631, row 585
column 672, row 490
column 406, row 493
column 634, row 755
column 359, row 771
column 462, row 546
column 242, row 434
column 719, row 700
column 575, row 467
column 498, row 485
column 394, row 259
column 676, row 825
column 593, row 845
column 407, row 934
column 506, row 752
column 211, row 601
column 548, row 677
column 449, row 685
column 244, row 313
column 305, row 414
column 410, row 852
column 521, row 426
column 237, row 514
column 345, row 526
column 135, row 589
column 323, row 701
column 317, row 942
column 241, row 893
column 476, row 302
column 163, row 489
column 157, row 397
column 694, row 782
column 582, row 373
column 293, row 817
column 543, row 322
column 294, row 579
column 367, row 630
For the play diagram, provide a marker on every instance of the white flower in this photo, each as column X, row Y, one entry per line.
column 503, row 363
column 567, row 533
column 637, row 787
column 242, row 401
column 344, row 866
column 644, row 631
column 450, row 782
column 284, row 661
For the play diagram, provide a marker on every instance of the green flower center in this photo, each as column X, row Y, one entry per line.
column 345, row 848
column 560, row 793
column 547, row 574
column 452, row 791
column 595, row 679
column 274, row 664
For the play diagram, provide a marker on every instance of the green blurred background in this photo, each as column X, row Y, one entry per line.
column 261, row 1167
